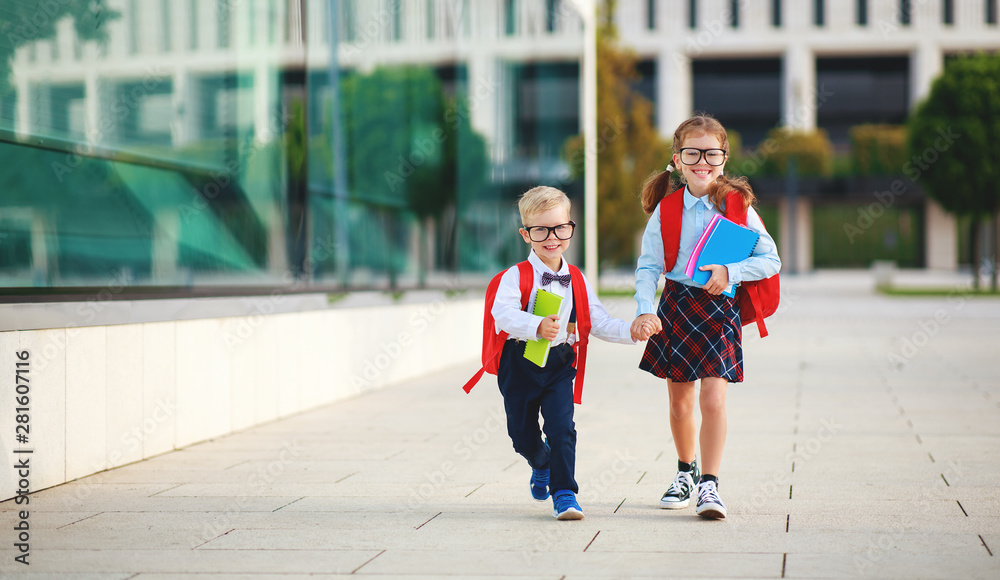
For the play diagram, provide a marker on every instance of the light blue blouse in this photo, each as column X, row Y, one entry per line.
column 698, row 212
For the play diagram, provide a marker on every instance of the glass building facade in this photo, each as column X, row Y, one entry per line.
column 229, row 144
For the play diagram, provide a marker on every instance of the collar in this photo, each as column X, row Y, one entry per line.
column 540, row 266
column 690, row 201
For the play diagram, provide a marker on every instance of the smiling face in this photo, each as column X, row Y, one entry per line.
column 550, row 250
column 700, row 175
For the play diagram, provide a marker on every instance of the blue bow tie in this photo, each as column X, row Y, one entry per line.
column 547, row 279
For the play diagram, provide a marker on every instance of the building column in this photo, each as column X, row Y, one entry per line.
column 940, row 237
column 796, row 234
column 484, row 85
column 94, row 126
column 798, row 79
column 674, row 90
column 926, row 64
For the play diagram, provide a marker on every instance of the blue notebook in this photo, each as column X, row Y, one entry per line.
column 726, row 243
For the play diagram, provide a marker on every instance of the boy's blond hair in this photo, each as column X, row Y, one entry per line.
column 539, row 200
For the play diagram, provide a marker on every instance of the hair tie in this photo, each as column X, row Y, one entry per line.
column 669, row 168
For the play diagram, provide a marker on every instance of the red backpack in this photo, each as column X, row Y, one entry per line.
column 756, row 299
column 493, row 341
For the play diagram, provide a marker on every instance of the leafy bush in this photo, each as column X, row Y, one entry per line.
column 878, row 149
column 813, row 151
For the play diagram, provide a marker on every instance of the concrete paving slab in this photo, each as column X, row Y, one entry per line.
column 838, row 464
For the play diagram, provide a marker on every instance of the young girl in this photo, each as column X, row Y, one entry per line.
column 701, row 332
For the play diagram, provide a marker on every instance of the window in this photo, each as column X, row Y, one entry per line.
column 133, row 26
column 193, row 25
column 222, row 22
column 776, row 13
column 167, row 30
column 734, row 13
column 396, row 24
column 431, row 15
column 862, row 13
column 948, row 12
column 651, row 14
column 819, row 12
column 905, row 12
column 991, row 12
column 551, row 14
column 692, row 14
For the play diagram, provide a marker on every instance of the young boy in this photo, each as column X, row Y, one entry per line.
column 528, row 388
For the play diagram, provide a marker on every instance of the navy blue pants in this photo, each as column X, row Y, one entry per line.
column 528, row 389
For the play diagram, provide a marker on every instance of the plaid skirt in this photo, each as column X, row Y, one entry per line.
column 702, row 337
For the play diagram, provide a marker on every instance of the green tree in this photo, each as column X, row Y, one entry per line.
column 27, row 21
column 412, row 148
column 953, row 147
column 629, row 147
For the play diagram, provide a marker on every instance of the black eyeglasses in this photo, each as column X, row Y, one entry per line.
column 691, row 156
column 541, row 233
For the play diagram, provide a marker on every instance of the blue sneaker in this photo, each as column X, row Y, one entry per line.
column 566, row 507
column 540, row 484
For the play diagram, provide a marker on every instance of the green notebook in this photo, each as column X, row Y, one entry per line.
column 546, row 303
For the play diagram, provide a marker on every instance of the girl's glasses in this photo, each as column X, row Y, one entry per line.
column 691, row 156
column 541, row 233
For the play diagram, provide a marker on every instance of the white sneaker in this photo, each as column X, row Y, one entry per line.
column 709, row 503
column 678, row 494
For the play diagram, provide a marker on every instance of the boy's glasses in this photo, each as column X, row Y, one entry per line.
column 691, row 156
column 541, row 233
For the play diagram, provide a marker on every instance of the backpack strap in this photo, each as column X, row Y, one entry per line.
column 737, row 210
column 581, row 303
column 671, row 215
column 493, row 349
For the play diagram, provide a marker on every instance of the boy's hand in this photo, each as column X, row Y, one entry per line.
column 644, row 326
column 548, row 328
column 719, row 281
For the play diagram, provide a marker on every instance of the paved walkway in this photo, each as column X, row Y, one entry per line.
column 865, row 443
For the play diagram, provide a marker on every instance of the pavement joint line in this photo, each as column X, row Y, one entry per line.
column 641, row 476
column 661, row 452
column 394, row 454
column 215, row 538
column 788, row 521
column 509, row 466
column 166, row 490
column 962, row 508
column 945, row 480
column 784, row 560
column 931, row 456
column 475, row 490
column 988, row 550
column 919, row 440
column 789, row 492
column 416, row 528
column 288, row 504
column 370, row 559
column 79, row 520
column 236, row 464
column 345, row 477
column 620, row 505
column 599, row 532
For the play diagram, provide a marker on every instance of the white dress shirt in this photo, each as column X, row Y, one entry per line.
column 523, row 325
column 697, row 213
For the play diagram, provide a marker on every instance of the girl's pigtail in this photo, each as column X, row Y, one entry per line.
column 724, row 185
column 655, row 188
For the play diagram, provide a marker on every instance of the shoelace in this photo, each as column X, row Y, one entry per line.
column 709, row 494
column 680, row 485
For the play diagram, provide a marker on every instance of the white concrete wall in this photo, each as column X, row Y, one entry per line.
column 105, row 396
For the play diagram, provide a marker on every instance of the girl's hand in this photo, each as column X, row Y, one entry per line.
column 719, row 281
column 644, row 326
column 548, row 328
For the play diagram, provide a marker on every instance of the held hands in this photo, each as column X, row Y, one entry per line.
column 548, row 328
column 719, row 281
column 644, row 326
